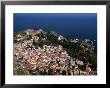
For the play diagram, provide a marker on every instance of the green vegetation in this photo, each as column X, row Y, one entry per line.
column 74, row 49
column 21, row 33
column 82, row 67
column 50, row 72
column 28, row 46
column 81, row 49
column 20, row 71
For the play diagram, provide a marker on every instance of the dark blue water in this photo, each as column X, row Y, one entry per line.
column 70, row 25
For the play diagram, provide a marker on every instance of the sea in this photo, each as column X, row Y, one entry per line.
column 69, row 25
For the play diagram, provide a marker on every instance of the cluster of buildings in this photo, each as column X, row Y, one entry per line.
column 47, row 60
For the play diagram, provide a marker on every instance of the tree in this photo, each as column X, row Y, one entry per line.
column 50, row 72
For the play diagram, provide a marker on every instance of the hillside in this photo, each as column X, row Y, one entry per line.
column 37, row 52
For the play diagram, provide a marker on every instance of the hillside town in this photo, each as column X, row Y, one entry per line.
column 36, row 54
